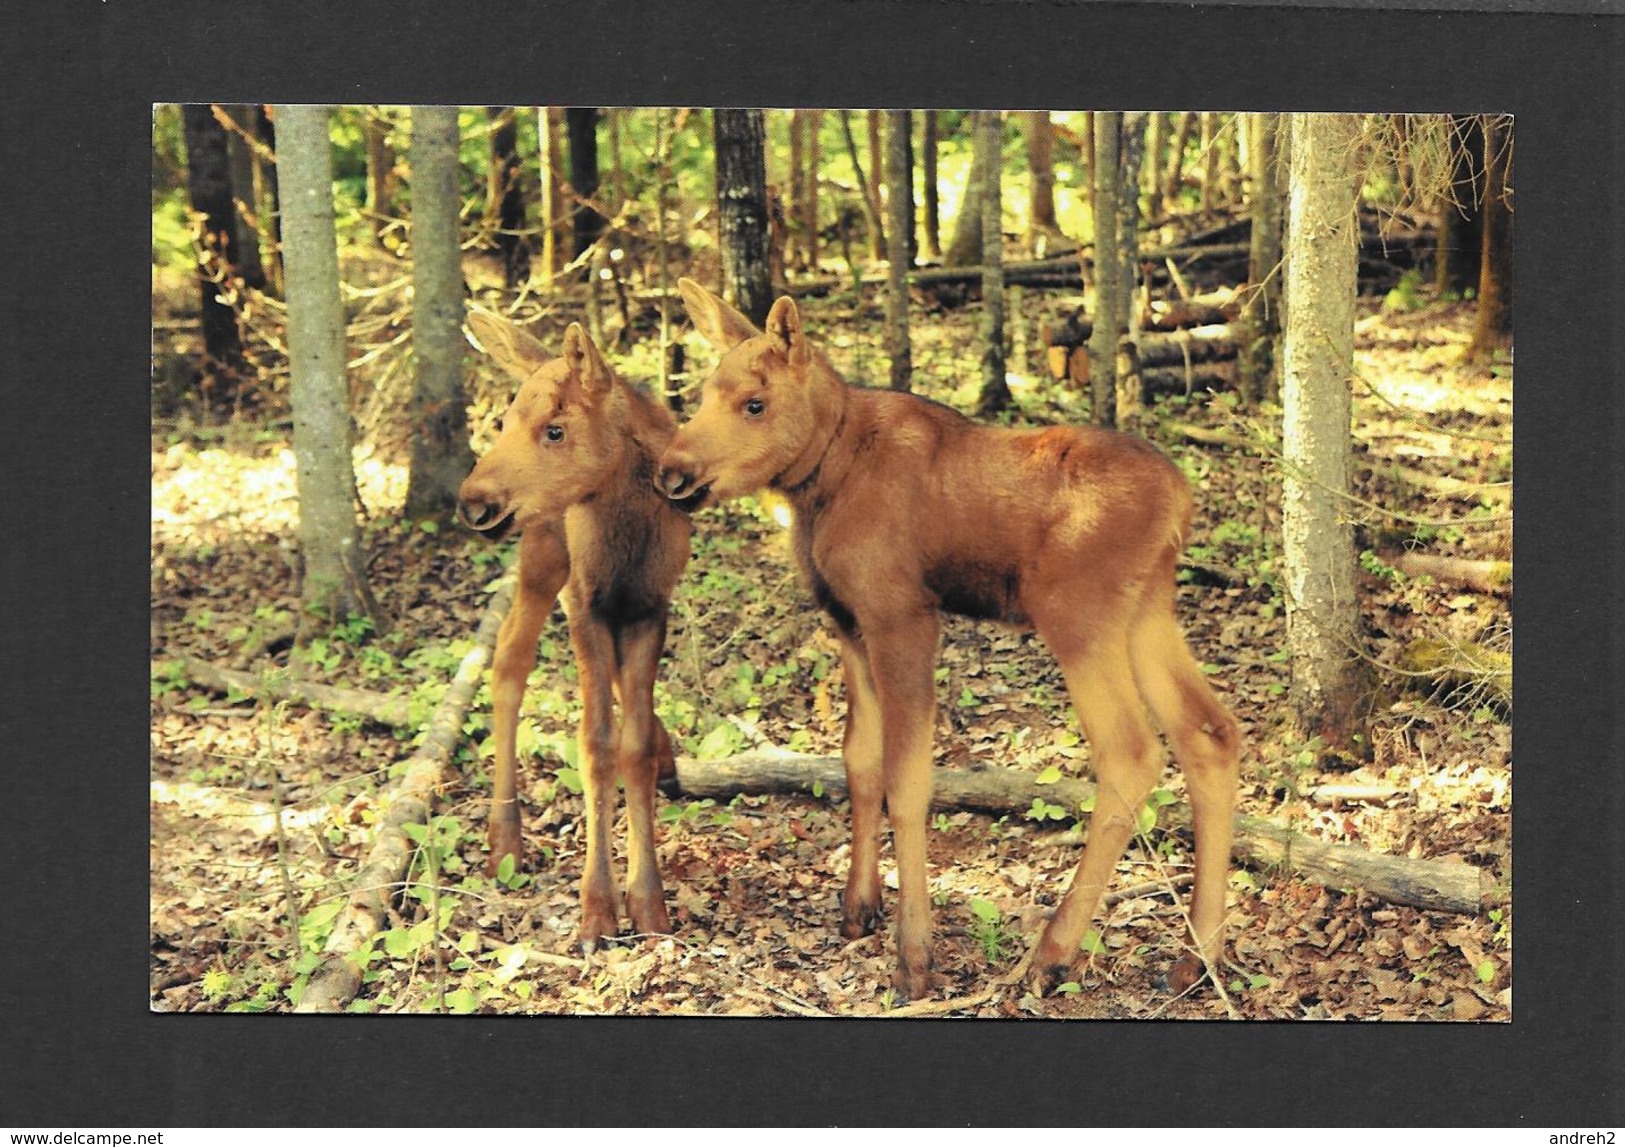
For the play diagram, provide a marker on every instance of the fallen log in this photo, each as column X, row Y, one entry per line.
column 1194, row 344
column 337, row 979
column 1180, row 380
column 379, row 707
column 1436, row 885
column 1481, row 576
column 1441, row 484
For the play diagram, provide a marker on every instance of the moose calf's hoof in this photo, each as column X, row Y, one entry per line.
column 596, row 928
column 648, row 917
column 914, row 983
column 1044, row 978
column 859, row 919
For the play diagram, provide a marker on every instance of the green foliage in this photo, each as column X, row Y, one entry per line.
column 167, row 677
column 988, row 930
column 700, row 812
column 724, row 740
column 1042, row 811
column 1372, row 564
column 1406, row 295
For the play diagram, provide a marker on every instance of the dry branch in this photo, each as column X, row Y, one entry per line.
column 378, row 707
column 1440, row 886
column 335, row 983
column 1460, row 664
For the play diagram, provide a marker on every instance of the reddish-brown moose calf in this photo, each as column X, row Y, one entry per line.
column 573, row 467
column 904, row 507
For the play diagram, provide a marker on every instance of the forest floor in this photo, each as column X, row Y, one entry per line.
column 260, row 814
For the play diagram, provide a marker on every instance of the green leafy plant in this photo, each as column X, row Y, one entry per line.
column 1042, row 811
column 987, row 929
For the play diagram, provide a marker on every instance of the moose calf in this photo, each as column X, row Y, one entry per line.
column 903, row 508
column 573, row 466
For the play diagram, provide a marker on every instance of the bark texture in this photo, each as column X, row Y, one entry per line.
column 742, row 211
column 990, row 138
column 1261, row 313
column 1110, row 281
column 1493, row 329
column 898, row 225
column 441, row 456
column 1330, row 686
column 334, row 584
column 208, row 185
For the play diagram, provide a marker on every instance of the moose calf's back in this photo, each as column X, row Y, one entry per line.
column 983, row 517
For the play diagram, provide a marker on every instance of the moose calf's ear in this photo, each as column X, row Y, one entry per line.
column 515, row 351
column 718, row 323
column 586, row 364
column 784, row 328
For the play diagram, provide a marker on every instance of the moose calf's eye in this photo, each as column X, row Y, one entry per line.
column 754, row 406
column 555, row 433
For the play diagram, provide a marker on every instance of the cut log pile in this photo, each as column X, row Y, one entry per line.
column 1180, row 347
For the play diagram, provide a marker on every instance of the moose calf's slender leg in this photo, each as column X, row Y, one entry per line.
column 1207, row 744
column 1127, row 760
column 542, row 569
column 595, row 663
column 637, row 764
column 902, row 656
column 866, row 786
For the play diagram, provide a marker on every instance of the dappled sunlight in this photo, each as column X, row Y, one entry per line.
column 202, row 494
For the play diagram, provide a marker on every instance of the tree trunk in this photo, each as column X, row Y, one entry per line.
column 742, row 211
column 582, row 125
column 548, row 132
column 240, row 149
column 441, row 457
column 1131, row 156
column 867, row 194
column 1110, row 281
column 928, row 179
column 965, row 248
column 208, row 184
column 267, row 201
column 1330, row 683
column 898, row 226
column 796, row 249
column 877, row 241
column 1493, row 329
column 814, row 123
column 1155, row 146
column 380, row 174
column 335, row 584
column 670, row 384
column 1261, row 313
column 1173, row 177
column 617, row 172
column 1460, row 228
column 1040, row 139
column 504, row 200
column 990, row 140
column 1210, row 161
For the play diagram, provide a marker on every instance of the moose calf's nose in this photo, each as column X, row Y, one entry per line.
column 476, row 512
column 673, row 482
